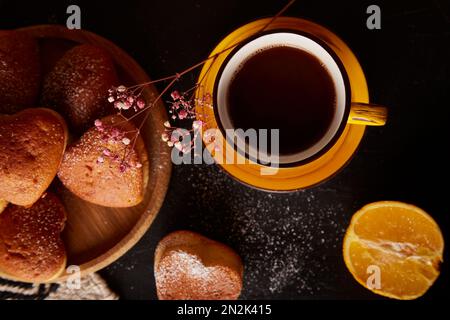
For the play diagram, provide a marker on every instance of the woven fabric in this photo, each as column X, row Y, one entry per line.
column 92, row 287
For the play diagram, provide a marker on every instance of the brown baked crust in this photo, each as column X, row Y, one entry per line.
column 32, row 144
column 189, row 266
column 78, row 85
column 3, row 205
column 104, row 183
column 31, row 248
column 19, row 71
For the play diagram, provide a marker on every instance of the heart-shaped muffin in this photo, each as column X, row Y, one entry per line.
column 107, row 165
column 32, row 144
column 78, row 85
column 19, row 71
column 189, row 266
column 31, row 248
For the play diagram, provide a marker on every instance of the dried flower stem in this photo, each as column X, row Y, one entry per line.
column 125, row 98
column 177, row 76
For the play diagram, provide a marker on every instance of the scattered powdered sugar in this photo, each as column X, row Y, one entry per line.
column 290, row 243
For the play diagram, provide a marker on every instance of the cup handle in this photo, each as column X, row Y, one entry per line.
column 367, row 114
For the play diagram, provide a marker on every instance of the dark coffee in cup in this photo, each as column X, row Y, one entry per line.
column 283, row 88
column 283, row 81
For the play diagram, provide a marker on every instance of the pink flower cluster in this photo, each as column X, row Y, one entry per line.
column 180, row 107
column 174, row 137
column 113, row 135
column 124, row 98
column 177, row 137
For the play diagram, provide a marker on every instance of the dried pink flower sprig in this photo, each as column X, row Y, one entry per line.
column 178, row 137
column 112, row 135
column 180, row 107
column 124, row 98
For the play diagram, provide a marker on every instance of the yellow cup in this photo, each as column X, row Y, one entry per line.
column 357, row 111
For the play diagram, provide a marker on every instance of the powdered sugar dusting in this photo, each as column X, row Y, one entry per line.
column 182, row 275
column 31, row 146
column 186, row 263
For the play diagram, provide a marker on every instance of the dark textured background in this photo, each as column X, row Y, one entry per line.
column 290, row 243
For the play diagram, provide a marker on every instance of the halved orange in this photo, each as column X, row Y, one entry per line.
column 394, row 249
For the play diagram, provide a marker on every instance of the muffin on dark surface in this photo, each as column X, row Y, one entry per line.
column 189, row 266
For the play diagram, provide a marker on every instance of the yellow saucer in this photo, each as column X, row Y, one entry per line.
column 318, row 170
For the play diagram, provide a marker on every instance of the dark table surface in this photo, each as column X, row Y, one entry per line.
column 290, row 243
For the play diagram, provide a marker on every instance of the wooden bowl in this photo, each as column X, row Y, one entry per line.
column 96, row 236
